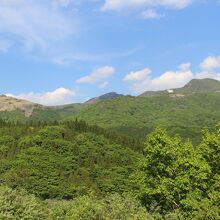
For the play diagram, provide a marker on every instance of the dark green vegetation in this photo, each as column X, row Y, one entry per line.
column 75, row 171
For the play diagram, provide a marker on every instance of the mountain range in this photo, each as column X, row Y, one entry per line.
column 183, row 110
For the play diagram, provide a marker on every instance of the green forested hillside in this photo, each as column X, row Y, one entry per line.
column 139, row 115
column 76, row 171
column 62, row 161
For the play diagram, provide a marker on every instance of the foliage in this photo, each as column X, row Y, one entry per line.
column 113, row 206
column 56, row 162
column 75, row 171
column 17, row 204
column 170, row 171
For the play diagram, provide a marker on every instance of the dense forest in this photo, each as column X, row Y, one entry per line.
column 71, row 170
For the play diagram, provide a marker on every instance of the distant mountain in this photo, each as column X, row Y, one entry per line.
column 110, row 95
column 194, row 86
column 10, row 104
column 201, row 85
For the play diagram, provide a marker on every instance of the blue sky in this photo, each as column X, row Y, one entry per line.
column 63, row 51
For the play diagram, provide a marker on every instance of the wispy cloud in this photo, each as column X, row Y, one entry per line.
column 34, row 24
column 125, row 4
column 104, row 85
column 150, row 14
column 70, row 58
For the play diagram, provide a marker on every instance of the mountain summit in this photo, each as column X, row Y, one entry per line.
column 10, row 104
column 202, row 85
column 194, row 86
column 110, row 95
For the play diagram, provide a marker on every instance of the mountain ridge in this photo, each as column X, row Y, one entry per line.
column 98, row 108
column 193, row 86
column 10, row 104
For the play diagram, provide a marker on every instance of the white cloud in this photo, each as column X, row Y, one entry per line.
column 169, row 79
column 138, row 75
column 123, row 4
column 185, row 66
column 210, row 63
column 150, row 14
column 103, row 85
column 59, row 96
column 142, row 81
column 204, row 74
column 210, row 68
column 34, row 24
column 97, row 75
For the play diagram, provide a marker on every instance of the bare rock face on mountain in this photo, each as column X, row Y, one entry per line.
column 9, row 104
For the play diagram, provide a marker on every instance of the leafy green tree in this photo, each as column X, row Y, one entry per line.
column 170, row 171
column 208, row 207
column 210, row 148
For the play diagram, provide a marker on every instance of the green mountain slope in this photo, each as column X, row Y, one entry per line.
column 138, row 115
column 201, row 85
